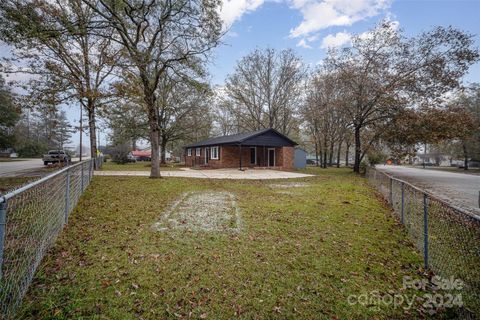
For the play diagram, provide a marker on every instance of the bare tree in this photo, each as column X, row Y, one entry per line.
column 265, row 90
column 323, row 114
column 183, row 108
column 223, row 117
column 52, row 39
column 155, row 36
column 383, row 71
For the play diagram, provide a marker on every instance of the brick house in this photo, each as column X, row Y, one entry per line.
column 265, row 148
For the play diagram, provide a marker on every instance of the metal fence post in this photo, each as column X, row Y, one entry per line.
column 82, row 177
column 3, row 222
column 403, row 204
column 391, row 191
column 67, row 197
column 90, row 170
column 425, row 230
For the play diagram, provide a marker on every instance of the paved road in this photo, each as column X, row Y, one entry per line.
column 7, row 168
column 458, row 188
column 12, row 168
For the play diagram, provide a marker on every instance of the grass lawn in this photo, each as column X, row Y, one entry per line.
column 303, row 247
column 10, row 183
column 137, row 166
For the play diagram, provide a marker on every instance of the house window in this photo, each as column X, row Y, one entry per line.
column 189, row 152
column 214, row 153
column 197, row 152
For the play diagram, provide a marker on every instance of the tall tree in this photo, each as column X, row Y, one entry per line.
column 383, row 71
column 125, row 114
column 156, row 36
column 64, row 130
column 323, row 114
column 10, row 114
column 183, row 108
column 53, row 39
column 466, row 107
column 265, row 90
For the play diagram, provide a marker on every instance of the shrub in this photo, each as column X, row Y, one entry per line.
column 32, row 149
column 119, row 153
column 375, row 157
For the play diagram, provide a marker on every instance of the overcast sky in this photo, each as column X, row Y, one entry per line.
column 311, row 26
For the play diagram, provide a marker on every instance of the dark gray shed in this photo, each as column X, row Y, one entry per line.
column 300, row 159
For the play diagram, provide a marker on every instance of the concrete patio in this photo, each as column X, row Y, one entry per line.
column 213, row 174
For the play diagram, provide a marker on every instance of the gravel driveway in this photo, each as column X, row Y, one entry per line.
column 461, row 189
column 213, row 174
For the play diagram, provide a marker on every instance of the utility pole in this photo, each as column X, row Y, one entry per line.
column 81, row 130
column 424, row 154
column 98, row 143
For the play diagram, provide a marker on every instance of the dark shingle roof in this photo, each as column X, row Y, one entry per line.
column 235, row 138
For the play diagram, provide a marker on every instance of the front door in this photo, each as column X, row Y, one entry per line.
column 253, row 155
column 271, row 157
column 206, row 155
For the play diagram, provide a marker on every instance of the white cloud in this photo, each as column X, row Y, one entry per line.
column 317, row 14
column 394, row 26
column 232, row 10
column 302, row 43
column 321, row 14
column 232, row 34
column 335, row 41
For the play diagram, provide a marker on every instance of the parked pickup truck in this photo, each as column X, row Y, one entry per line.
column 54, row 156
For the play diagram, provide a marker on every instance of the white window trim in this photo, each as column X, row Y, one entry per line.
column 254, row 148
column 212, row 157
column 189, row 152
column 197, row 152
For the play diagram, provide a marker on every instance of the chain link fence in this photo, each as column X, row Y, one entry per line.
column 448, row 237
column 31, row 218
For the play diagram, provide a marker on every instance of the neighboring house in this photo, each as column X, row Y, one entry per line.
column 8, row 153
column 443, row 160
column 142, row 155
column 263, row 148
column 146, row 155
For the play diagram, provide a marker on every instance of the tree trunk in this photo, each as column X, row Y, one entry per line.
column 163, row 151
column 134, row 144
column 358, row 150
column 154, row 144
column 324, row 162
column 347, row 153
column 424, row 155
column 154, row 132
column 92, row 131
column 338, row 153
column 330, row 156
column 316, row 152
column 465, row 157
column 81, row 130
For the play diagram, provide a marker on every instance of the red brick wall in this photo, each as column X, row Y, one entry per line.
column 194, row 160
column 229, row 158
column 288, row 154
